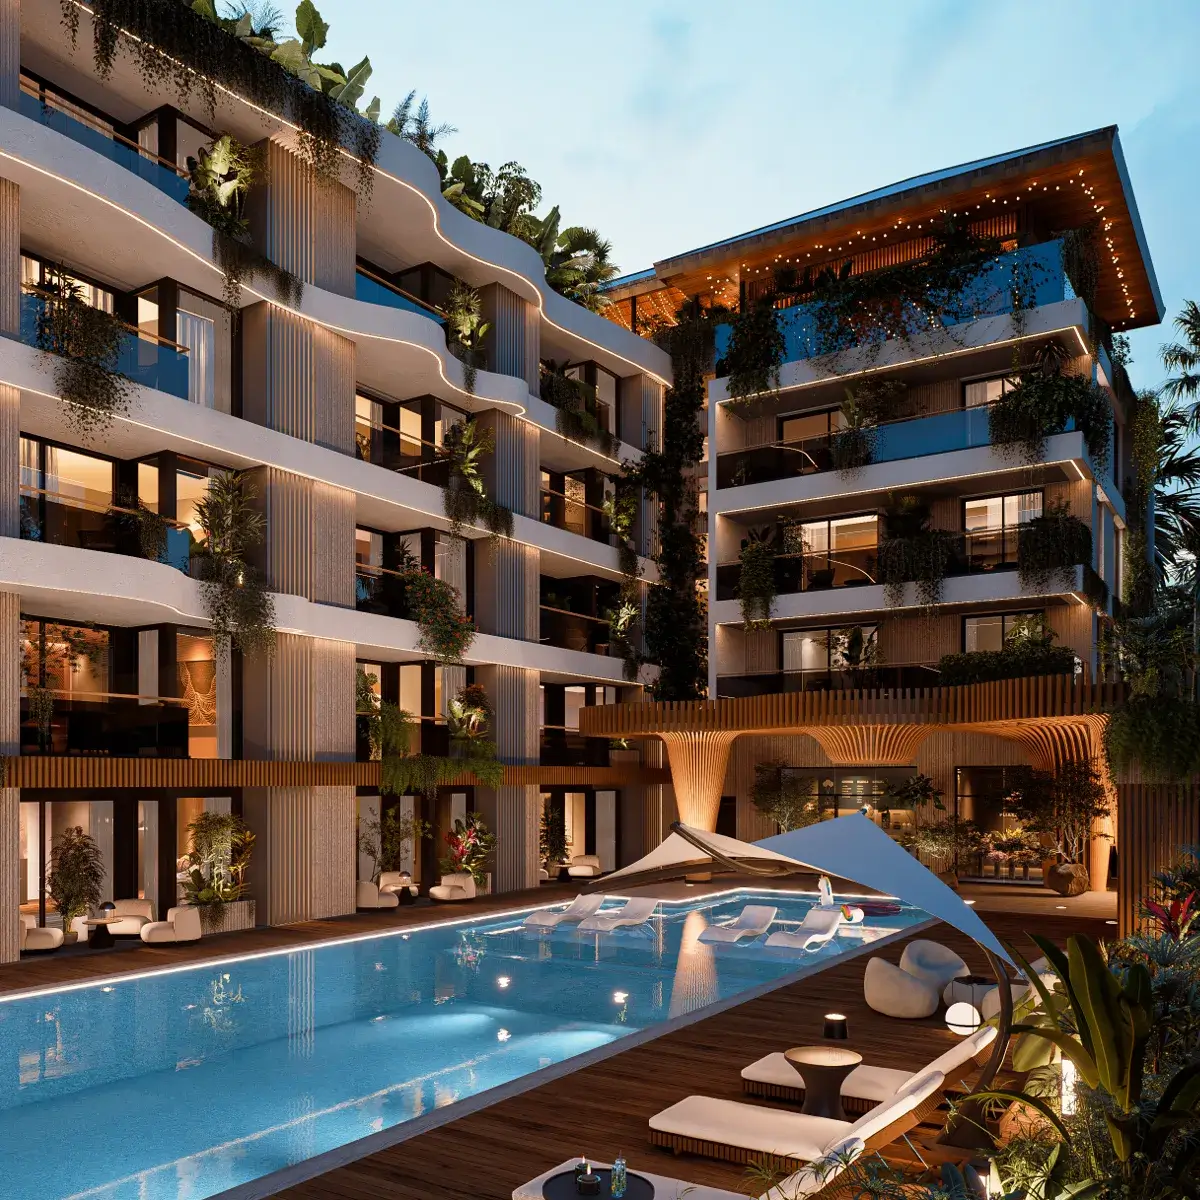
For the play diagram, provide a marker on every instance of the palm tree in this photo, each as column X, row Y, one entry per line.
column 579, row 265
column 1176, row 497
column 1183, row 357
column 414, row 125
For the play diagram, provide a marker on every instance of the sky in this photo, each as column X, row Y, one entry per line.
column 668, row 124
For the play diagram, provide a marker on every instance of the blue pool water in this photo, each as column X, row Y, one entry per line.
column 178, row 1086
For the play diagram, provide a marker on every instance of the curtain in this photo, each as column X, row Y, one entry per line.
column 199, row 335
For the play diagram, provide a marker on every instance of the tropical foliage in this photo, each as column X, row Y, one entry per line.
column 469, row 848
column 464, row 499
column 388, row 840
column 220, row 849
column 1028, row 650
column 466, row 330
column 912, row 551
column 76, row 874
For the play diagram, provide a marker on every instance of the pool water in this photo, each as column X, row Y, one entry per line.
column 179, row 1085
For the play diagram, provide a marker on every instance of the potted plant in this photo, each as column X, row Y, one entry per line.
column 76, row 873
column 221, row 848
column 389, row 840
column 469, row 847
column 554, row 846
column 950, row 840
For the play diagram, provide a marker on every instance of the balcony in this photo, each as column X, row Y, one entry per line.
column 974, row 553
column 562, row 747
column 770, row 683
column 575, row 516
column 378, row 590
column 107, row 724
column 433, row 738
column 59, row 519
column 573, row 631
column 374, row 289
column 49, row 110
column 388, row 447
column 990, row 294
column 143, row 357
column 914, row 437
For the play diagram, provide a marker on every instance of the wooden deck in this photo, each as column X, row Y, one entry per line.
column 602, row 1109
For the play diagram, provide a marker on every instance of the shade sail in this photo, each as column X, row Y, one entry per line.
column 677, row 855
column 855, row 848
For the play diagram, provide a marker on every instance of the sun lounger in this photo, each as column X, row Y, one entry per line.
column 579, row 908
column 775, row 1078
column 818, row 926
column 810, row 1182
column 753, row 921
column 634, row 912
column 741, row 1133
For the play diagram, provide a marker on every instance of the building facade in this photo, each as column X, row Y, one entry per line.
column 332, row 395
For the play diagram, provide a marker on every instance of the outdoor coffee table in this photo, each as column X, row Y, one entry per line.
column 562, row 1186
column 969, row 989
column 824, row 1069
column 99, row 935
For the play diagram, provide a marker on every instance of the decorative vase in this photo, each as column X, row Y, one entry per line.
column 1068, row 879
column 71, row 937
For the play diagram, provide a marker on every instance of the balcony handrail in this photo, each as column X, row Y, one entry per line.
column 571, row 500
column 46, row 96
column 137, row 331
column 359, row 269
column 571, row 613
column 372, row 569
column 88, row 696
column 379, row 426
column 69, row 501
column 931, row 666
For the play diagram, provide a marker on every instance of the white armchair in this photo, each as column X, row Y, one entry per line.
column 182, row 925
column 38, row 937
column 394, row 881
column 367, row 895
column 460, row 886
column 934, row 963
column 134, row 914
column 891, row 990
column 584, row 866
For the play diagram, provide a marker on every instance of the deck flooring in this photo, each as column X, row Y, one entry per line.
column 604, row 1108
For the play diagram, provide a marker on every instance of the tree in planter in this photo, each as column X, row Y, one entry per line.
column 389, row 841
column 912, row 551
column 469, row 848
column 464, row 498
column 86, row 343
column 221, row 848
column 856, row 652
column 466, row 330
column 756, row 581
column 1051, row 546
column 553, row 844
column 953, row 839
column 783, row 798
column 239, row 606
column 916, row 793
column 76, row 873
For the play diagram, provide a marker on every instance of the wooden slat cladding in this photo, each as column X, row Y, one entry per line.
column 1007, row 700
column 1156, row 821
column 506, row 589
column 511, row 473
column 211, row 774
column 507, row 343
column 10, row 459
column 10, row 237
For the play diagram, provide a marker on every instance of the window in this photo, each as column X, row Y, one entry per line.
column 836, row 553
column 190, row 488
column 368, row 548
column 801, row 427
column 199, row 335
column 71, row 660
column 576, row 699
column 820, row 651
column 991, row 524
column 985, row 391
column 988, row 632
column 410, row 689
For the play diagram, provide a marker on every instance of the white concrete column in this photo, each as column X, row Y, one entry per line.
column 10, row 52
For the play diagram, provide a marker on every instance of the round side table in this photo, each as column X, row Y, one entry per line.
column 824, row 1070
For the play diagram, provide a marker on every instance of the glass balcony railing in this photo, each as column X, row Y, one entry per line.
column 573, row 631
column 1040, row 269
column 770, row 683
column 562, row 747
column 120, row 726
column 575, row 516
column 143, row 358
column 974, row 553
column 163, row 174
column 61, row 520
column 380, row 591
column 398, row 451
column 373, row 290
column 915, row 437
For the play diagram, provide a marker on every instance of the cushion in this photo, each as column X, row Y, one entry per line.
column 134, row 907
column 919, row 1088
column 962, row 1053
column 933, row 962
column 811, row 1179
column 751, row 1127
column 186, row 920
column 895, row 993
column 864, row 1082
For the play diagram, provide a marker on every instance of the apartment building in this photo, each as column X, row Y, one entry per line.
column 892, row 434
column 333, row 399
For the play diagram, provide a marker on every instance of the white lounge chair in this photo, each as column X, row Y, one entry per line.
column 38, row 937
column 774, row 1078
column 633, row 912
column 807, row 1183
column 739, row 1132
column 817, row 928
column 579, row 908
column 753, row 921
column 134, row 913
column 182, row 925
column 453, row 888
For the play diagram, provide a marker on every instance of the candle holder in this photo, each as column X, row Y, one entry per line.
column 588, row 1185
column 837, row 1028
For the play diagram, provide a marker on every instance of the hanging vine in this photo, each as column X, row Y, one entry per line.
column 446, row 631
column 575, row 407
column 188, row 49
column 466, row 330
column 1145, row 426
column 911, row 551
column 620, row 508
column 755, row 352
column 240, row 609
column 756, row 582
column 464, row 498
column 86, row 343
column 1050, row 547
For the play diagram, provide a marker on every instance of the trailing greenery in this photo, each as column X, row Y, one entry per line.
column 1041, row 403
column 756, row 581
column 755, row 352
column 1028, row 650
column 781, row 797
column 75, row 876
column 911, row 551
column 575, row 414
column 193, row 50
column 464, row 498
column 238, row 604
column 148, row 526
column 446, row 631
column 1146, row 434
column 221, row 846
column 388, row 840
column 86, row 343
column 676, row 633
column 621, row 509
column 466, row 330
column 1051, row 546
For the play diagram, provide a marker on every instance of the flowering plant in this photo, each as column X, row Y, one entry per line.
column 469, row 847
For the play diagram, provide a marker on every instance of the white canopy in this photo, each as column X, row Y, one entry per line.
column 851, row 847
column 855, row 848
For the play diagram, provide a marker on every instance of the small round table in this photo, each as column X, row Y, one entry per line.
column 562, row 1186
column 824, row 1069
column 968, row 989
column 99, row 935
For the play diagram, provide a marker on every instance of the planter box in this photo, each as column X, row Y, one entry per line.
column 632, row 756
column 230, row 918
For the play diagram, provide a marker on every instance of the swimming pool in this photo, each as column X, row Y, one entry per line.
column 180, row 1085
